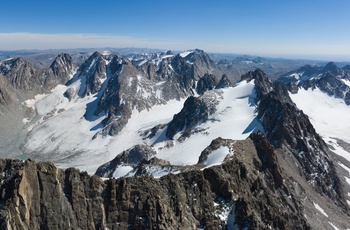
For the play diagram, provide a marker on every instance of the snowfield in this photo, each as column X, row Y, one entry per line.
column 64, row 136
column 217, row 156
column 329, row 115
column 318, row 207
column 235, row 119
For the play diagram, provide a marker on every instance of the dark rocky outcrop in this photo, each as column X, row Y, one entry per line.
column 93, row 70
column 201, row 63
column 116, row 120
column 194, row 111
column 262, row 84
column 157, row 168
column 207, row 82
column 62, row 69
column 267, row 156
column 110, row 96
column 333, row 69
column 331, row 85
column 224, row 82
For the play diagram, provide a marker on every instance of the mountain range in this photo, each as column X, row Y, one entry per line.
column 172, row 140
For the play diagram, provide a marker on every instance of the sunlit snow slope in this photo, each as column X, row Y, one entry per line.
column 65, row 137
column 329, row 116
column 235, row 119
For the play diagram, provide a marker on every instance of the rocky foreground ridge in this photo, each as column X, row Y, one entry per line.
column 250, row 190
column 248, row 187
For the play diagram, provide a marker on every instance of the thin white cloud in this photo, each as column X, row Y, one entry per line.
column 314, row 50
column 17, row 41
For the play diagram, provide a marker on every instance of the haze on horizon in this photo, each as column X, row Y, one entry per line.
column 293, row 29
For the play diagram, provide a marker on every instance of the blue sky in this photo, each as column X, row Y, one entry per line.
column 301, row 28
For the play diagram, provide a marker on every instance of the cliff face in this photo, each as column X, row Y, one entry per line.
column 244, row 192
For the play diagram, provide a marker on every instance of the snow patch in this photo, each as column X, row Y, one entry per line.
column 122, row 171
column 167, row 56
column 30, row 103
column 320, row 209
column 337, row 148
column 329, row 115
column 106, row 52
column 344, row 167
column 347, row 179
column 186, row 53
column 48, row 103
column 157, row 171
column 143, row 62
column 25, row 120
column 346, row 82
column 335, row 227
column 226, row 212
column 217, row 156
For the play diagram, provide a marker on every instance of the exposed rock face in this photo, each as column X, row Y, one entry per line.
column 93, row 70
column 267, row 157
column 62, row 67
column 202, row 64
column 346, row 68
column 22, row 74
column 262, row 83
column 116, row 120
column 195, row 110
column 38, row 195
column 110, row 96
column 333, row 69
column 7, row 95
column 224, row 82
column 207, row 82
column 289, row 128
column 20, row 80
column 30, row 79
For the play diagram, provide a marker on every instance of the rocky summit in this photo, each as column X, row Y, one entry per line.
column 172, row 140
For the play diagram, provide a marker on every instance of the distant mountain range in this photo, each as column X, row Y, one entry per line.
column 240, row 64
column 329, row 78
